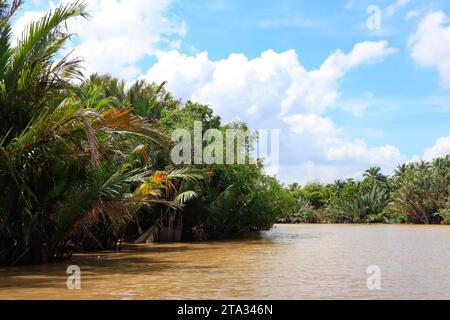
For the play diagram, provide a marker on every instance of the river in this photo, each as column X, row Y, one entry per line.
column 288, row 262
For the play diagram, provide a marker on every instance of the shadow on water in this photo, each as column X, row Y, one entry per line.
column 133, row 260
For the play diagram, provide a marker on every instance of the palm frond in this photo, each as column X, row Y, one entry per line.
column 125, row 121
column 187, row 174
column 185, row 197
column 43, row 39
column 111, row 189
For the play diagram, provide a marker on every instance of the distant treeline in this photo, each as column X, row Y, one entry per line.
column 416, row 193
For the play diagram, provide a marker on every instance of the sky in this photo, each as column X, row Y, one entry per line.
column 349, row 83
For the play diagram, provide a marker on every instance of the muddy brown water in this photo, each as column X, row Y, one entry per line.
column 289, row 262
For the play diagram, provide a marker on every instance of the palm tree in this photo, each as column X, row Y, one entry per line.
column 422, row 165
column 173, row 190
column 374, row 174
column 150, row 99
column 35, row 119
column 401, row 171
column 419, row 199
column 442, row 163
column 107, row 86
column 30, row 78
column 363, row 206
column 65, row 154
column 339, row 185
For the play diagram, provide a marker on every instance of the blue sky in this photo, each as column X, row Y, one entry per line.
column 344, row 97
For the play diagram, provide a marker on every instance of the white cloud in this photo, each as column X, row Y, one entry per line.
column 332, row 145
column 186, row 74
column 315, row 149
column 307, row 172
column 270, row 84
column 275, row 90
column 430, row 45
column 321, row 85
column 440, row 149
column 311, row 123
column 394, row 7
column 119, row 33
column 24, row 20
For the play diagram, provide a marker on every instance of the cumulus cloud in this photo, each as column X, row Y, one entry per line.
column 118, row 34
column 24, row 20
column 318, row 150
column 275, row 90
column 307, row 172
column 430, row 45
column 440, row 149
column 311, row 123
column 271, row 83
column 332, row 145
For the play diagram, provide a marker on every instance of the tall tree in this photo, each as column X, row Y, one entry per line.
column 374, row 174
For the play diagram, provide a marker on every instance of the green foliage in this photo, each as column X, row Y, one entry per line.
column 417, row 193
column 444, row 214
column 423, row 192
column 318, row 195
column 241, row 198
column 87, row 163
column 75, row 161
column 358, row 205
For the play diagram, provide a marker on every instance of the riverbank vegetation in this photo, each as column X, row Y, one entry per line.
column 85, row 163
column 416, row 193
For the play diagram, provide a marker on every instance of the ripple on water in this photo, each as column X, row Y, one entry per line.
column 289, row 262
